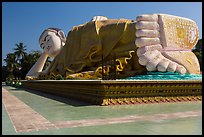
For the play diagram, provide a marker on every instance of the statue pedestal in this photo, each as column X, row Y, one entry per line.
column 120, row 92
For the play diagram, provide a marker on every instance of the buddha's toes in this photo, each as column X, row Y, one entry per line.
column 164, row 43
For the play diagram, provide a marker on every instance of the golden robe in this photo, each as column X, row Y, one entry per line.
column 86, row 45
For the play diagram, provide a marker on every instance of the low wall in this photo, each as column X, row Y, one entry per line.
column 112, row 92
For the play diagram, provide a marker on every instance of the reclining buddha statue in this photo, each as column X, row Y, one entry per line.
column 151, row 42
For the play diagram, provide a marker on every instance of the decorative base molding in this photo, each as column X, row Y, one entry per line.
column 119, row 92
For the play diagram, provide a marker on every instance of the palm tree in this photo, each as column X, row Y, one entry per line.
column 11, row 63
column 35, row 54
column 5, row 73
column 20, row 51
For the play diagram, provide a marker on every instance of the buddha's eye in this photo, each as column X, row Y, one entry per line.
column 41, row 45
column 47, row 38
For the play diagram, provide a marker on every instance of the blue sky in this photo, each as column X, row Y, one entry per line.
column 25, row 21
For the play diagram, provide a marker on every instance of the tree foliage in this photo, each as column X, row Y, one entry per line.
column 19, row 62
column 198, row 52
column 20, row 50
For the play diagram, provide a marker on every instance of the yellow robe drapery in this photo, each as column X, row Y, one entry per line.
column 86, row 44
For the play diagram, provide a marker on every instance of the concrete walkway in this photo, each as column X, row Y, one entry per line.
column 26, row 120
column 23, row 117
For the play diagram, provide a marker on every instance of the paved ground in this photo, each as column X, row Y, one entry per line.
column 36, row 113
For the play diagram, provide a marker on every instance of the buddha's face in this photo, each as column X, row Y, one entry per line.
column 50, row 43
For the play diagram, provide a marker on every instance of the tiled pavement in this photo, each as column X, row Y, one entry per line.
column 28, row 117
column 23, row 117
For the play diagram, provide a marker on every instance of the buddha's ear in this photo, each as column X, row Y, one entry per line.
column 62, row 35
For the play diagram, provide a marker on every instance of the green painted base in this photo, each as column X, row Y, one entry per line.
column 113, row 92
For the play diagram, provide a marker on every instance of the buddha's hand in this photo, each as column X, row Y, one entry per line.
column 32, row 77
column 153, row 47
column 29, row 78
column 97, row 18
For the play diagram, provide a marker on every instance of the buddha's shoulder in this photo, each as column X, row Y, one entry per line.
column 103, row 22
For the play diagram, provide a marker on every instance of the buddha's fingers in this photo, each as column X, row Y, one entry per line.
column 31, row 77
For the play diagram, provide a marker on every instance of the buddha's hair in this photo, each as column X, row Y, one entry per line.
column 55, row 30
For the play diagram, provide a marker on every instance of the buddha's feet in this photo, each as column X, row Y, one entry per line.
column 165, row 42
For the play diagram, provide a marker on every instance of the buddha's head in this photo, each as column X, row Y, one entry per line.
column 52, row 40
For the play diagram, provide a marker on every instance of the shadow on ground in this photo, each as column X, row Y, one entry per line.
column 66, row 100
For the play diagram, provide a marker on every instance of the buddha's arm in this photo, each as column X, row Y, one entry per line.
column 37, row 67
